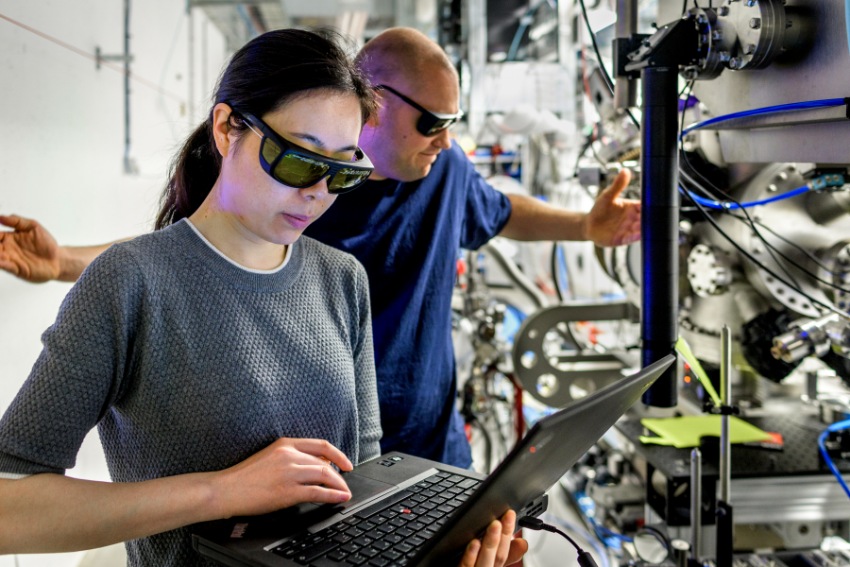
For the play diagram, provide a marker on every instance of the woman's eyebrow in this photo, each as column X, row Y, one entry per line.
column 319, row 143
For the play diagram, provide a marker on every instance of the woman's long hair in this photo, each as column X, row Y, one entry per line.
column 263, row 76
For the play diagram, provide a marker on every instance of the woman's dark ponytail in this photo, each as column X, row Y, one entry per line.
column 191, row 177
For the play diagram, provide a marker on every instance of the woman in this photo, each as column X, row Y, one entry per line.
column 226, row 362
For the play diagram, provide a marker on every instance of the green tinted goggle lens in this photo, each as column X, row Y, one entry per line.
column 299, row 167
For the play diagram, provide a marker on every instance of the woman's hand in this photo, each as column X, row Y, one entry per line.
column 499, row 546
column 287, row 472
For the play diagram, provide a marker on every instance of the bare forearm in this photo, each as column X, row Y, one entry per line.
column 532, row 219
column 73, row 260
column 48, row 513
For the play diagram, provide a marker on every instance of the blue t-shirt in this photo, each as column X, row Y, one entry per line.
column 407, row 235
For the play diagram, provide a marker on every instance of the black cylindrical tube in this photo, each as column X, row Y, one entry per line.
column 659, row 227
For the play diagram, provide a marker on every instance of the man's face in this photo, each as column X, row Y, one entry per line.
column 393, row 143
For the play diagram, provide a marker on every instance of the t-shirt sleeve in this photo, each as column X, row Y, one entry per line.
column 364, row 368
column 78, row 373
column 486, row 210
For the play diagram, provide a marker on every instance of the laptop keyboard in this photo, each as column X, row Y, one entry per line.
column 389, row 532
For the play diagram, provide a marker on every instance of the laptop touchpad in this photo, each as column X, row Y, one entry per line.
column 363, row 488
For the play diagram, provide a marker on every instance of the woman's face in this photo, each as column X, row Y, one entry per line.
column 264, row 209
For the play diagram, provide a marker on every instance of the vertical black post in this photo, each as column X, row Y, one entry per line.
column 725, row 535
column 659, row 227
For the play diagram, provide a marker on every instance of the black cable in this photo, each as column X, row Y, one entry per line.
column 758, row 263
column 555, row 267
column 793, row 262
column 771, row 249
column 605, row 75
column 532, row 523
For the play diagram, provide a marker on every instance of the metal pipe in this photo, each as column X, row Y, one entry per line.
column 129, row 167
column 726, row 399
column 659, row 227
column 696, row 502
column 625, row 90
column 190, row 67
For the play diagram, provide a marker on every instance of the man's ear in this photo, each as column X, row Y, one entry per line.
column 221, row 128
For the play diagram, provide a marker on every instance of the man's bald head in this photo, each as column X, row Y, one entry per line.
column 401, row 55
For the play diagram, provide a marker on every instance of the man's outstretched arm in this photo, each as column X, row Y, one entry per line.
column 31, row 253
column 613, row 221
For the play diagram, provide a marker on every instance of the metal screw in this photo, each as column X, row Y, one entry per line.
column 771, row 188
column 735, row 63
column 751, row 3
column 724, row 11
column 755, row 23
column 750, row 49
column 724, row 56
column 715, row 35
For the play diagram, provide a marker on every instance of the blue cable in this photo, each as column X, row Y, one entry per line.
column 726, row 205
column 608, row 537
column 779, row 108
column 817, row 184
column 525, row 20
column 839, row 426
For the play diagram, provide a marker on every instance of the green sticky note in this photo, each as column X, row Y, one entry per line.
column 686, row 431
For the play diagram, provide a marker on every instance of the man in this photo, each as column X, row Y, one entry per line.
column 424, row 201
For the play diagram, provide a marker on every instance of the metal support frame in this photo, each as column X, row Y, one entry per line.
column 126, row 58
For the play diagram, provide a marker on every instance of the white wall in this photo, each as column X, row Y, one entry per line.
column 62, row 147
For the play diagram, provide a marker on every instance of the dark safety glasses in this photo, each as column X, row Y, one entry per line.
column 298, row 167
column 430, row 123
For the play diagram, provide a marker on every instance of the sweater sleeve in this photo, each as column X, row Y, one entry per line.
column 364, row 368
column 79, row 372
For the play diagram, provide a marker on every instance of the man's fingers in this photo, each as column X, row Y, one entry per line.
column 619, row 184
column 16, row 222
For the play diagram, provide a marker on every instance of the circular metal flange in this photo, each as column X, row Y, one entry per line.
column 709, row 272
column 754, row 34
column 709, row 61
column 556, row 368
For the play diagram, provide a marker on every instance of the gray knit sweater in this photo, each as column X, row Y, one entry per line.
column 186, row 363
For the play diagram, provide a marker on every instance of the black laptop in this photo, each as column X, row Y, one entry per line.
column 410, row 511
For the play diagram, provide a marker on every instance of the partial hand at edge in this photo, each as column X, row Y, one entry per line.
column 499, row 546
column 614, row 221
column 29, row 251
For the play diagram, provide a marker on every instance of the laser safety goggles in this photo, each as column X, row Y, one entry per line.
column 430, row 123
column 299, row 167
